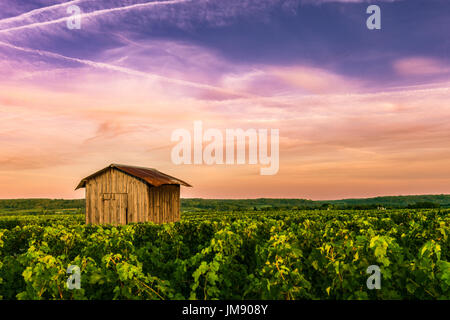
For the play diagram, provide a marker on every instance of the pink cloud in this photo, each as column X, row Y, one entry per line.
column 335, row 139
column 313, row 80
column 420, row 66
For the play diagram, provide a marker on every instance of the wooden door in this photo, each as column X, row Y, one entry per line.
column 115, row 208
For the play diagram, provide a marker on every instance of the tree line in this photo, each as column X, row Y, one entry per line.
column 262, row 204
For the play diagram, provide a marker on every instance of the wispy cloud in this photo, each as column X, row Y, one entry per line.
column 420, row 66
column 93, row 14
column 23, row 16
column 120, row 69
column 359, row 113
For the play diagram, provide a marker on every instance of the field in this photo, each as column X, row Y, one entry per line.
column 210, row 254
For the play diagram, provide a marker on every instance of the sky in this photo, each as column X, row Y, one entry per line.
column 360, row 112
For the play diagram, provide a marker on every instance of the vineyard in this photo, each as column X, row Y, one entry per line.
column 286, row 254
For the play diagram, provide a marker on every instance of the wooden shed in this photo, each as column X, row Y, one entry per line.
column 120, row 194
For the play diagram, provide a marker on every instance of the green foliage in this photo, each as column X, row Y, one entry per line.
column 394, row 202
column 77, row 206
column 277, row 254
column 41, row 206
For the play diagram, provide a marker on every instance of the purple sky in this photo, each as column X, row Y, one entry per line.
column 361, row 112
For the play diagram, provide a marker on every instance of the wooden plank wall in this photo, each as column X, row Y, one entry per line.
column 144, row 203
column 164, row 203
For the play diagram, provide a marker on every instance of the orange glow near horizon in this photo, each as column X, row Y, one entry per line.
column 332, row 145
column 340, row 136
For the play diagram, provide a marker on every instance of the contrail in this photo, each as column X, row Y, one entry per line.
column 100, row 65
column 95, row 13
column 39, row 10
column 238, row 95
column 128, row 71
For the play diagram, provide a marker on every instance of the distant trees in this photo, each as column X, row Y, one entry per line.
column 424, row 205
column 263, row 204
column 41, row 204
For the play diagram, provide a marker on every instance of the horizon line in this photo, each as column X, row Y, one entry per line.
column 279, row 198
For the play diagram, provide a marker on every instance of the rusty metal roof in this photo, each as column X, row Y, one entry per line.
column 149, row 175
